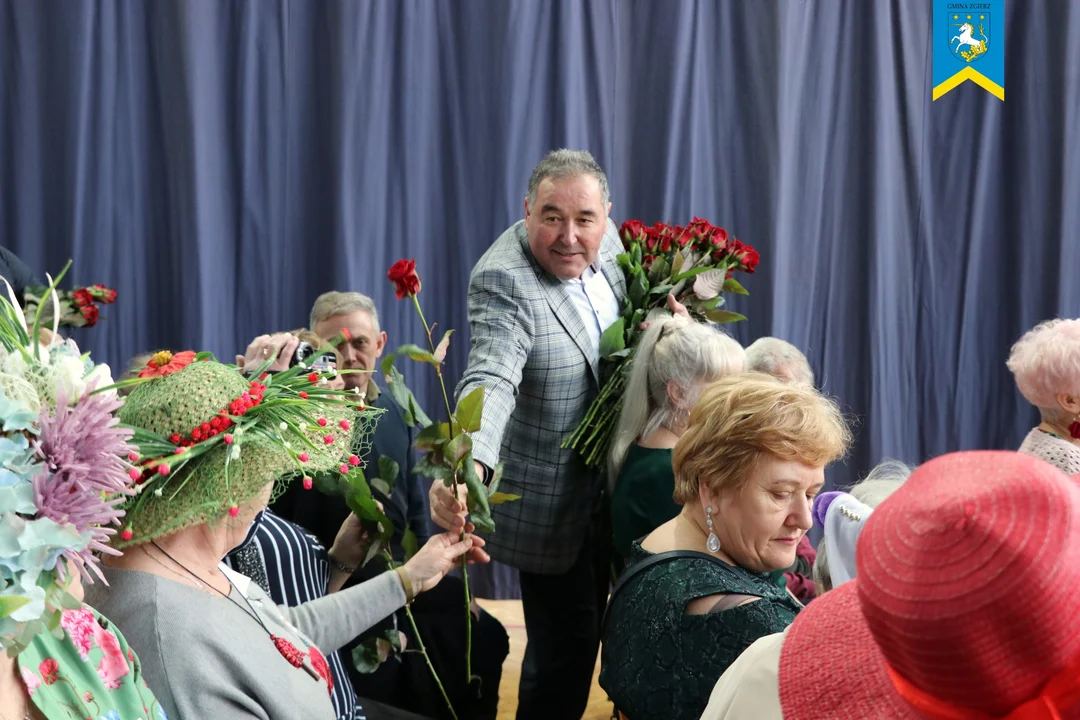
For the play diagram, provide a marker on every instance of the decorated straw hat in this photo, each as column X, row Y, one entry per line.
column 211, row 440
column 964, row 605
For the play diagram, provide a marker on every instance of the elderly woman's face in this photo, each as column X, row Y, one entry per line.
column 760, row 525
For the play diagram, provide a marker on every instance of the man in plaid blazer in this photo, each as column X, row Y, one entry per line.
column 539, row 299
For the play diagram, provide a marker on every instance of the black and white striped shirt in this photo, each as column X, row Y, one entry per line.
column 293, row 568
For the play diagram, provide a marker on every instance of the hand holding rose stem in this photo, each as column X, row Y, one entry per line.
column 407, row 284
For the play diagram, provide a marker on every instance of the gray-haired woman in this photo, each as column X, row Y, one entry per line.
column 677, row 357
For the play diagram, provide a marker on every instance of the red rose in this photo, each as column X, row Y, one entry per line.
column 48, row 669
column 750, row 259
column 406, row 281
column 647, row 261
column 699, row 227
column 718, row 237
column 632, row 231
column 651, row 241
column 104, row 294
column 82, row 297
column 90, row 314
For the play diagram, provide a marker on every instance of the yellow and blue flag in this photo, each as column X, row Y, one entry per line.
column 969, row 44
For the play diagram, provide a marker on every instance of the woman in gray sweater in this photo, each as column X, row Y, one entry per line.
column 212, row 644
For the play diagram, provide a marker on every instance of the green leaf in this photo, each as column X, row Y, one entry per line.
column 712, row 303
column 433, row 436
column 457, row 449
column 724, row 316
column 410, row 544
column 659, row 269
column 365, row 656
column 613, row 339
column 388, row 470
column 429, row 468
column 440, row 349
column 691, row 273
column 732, row 285
column 397, row 640
column 380, row 485
column 11, row 603
column 417, row 353
column 422, row 420
column 470, row 410
column 68, row 601
column 677, row 262
column 661, row 289
column 496, row 478
column 499, row 498
column 708, row 284
column 478, row 494
column 639, row 288
column 635, row 254
column 624, row 260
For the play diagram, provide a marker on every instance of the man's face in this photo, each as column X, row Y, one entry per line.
column 360, row 353
column 566, row 224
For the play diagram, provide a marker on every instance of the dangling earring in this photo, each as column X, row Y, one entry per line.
column 712, row 543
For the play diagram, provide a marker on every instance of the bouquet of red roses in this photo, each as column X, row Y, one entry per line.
column 78, row 307
column 696, row 264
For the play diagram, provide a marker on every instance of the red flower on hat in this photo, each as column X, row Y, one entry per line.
column 165, row 363
column 307, row 483
column 48, row 669
column 125, row 534
column 406, row 281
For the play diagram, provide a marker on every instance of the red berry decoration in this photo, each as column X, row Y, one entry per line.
column 313, row 377
column 307, row 483
column 344, row 424
column 329, row 439
column 163, row 469
column 303, row 457
column 322, row 422
column 228, row 438
column 234, row 511
column 303, row 395
column 343, row 469
column 354, row 461
column 125, row 534
column 134, row 473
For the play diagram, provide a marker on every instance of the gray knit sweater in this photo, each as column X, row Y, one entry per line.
column 205, row 656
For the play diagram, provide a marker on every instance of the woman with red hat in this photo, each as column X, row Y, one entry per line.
column 1046, row 364
column 964, row 605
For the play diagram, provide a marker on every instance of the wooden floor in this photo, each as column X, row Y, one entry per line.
column 509, row 614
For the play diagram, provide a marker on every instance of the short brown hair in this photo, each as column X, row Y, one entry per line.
column 740, row 418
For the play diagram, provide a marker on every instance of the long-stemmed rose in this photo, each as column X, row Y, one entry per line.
column 447, row 446
column 696, row 263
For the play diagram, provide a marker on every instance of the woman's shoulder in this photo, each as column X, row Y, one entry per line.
column 87, row 664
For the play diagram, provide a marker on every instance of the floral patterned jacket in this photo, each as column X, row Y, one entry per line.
column 90, row 673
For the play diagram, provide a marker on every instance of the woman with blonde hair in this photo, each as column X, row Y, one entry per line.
column 698, row 590
column 1046, row 364
column 677, row 357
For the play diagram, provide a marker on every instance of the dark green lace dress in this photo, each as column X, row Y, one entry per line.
column 660, row 663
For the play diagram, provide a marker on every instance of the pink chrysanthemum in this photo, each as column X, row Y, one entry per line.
column 85, row 471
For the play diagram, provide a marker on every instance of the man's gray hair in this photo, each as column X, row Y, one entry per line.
column 335, row 303
column 780, row 359
column 568, row 163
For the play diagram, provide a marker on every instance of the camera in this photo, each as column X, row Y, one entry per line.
column 323, row 363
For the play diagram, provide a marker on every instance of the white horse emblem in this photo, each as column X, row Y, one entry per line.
column 966, row 38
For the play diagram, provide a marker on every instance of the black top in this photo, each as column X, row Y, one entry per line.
column 16, row 272
column 659, row 662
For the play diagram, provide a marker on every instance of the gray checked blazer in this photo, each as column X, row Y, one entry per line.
column 532, row 354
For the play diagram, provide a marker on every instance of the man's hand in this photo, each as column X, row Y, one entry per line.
column 450, row 505
column 676, row 308
column 280, row 348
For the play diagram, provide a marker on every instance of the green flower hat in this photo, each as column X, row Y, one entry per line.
column 211, row 440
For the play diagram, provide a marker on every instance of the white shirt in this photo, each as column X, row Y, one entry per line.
column 595, row 302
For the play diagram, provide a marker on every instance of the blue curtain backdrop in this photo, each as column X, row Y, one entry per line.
column 222, row 163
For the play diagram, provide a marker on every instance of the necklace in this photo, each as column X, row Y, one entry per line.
column 288, row 651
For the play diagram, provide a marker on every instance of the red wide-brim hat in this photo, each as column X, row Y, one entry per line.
column 967, row 593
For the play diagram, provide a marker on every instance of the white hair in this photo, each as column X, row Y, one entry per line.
column 335, row 303
column 1045, row 362
column 672, row 350
column 780, row 359
column 874, row 489
column 567, row 163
